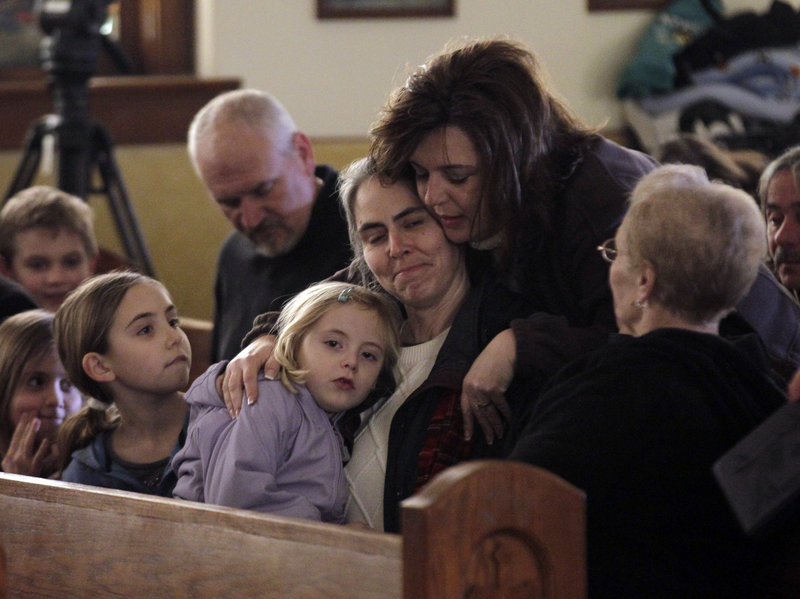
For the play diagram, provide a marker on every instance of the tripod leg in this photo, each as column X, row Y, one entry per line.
column 32, row 154
column 119, row 201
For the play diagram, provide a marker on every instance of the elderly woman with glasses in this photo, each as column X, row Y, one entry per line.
column 638, row 424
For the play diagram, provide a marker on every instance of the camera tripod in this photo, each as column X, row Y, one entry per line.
column 83, row 145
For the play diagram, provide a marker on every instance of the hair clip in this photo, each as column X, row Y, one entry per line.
column 96, row 404
column 345, row 294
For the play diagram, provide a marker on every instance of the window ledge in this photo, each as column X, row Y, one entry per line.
column 148, row 109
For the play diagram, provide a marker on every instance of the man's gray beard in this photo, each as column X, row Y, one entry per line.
column 270, row 251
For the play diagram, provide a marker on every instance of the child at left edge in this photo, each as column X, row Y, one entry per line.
column 337, row 345
column 120, row 341
column 35, row 395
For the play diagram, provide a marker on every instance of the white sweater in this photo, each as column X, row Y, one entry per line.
column 366, row 471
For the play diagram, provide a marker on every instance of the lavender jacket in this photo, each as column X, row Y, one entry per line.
column 281, row 455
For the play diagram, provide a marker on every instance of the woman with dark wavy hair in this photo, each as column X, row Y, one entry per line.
column 506, row 167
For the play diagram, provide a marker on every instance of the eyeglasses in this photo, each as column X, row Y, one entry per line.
column 608, row 249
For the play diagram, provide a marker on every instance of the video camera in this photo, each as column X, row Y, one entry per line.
column 71, row 48
column 73, row 40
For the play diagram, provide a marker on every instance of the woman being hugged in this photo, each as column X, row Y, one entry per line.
column 417, row 431
column 36, row 395
column 282, row 455
column 119, row 338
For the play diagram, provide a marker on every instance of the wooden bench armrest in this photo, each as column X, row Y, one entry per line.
column 495, row 529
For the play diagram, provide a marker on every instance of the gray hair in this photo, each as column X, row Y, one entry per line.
column 704, row 239
column 788, row 161
column 351, row 179
column 247, row 107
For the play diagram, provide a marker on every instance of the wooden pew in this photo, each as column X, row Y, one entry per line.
column 3, row 583
column 480, row 530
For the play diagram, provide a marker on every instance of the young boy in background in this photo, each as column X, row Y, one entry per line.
column 47, row 243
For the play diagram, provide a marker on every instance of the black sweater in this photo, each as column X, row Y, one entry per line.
column 637, row 425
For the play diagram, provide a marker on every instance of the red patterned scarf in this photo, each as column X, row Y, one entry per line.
column 444, row 444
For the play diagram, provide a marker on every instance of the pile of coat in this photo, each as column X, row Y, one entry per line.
column 734, row 81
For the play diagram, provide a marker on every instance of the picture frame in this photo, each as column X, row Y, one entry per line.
column 347, row 9
column 625, row 4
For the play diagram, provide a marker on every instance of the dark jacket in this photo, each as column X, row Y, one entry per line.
column 248, row 283
column 486, row 311
column 637, row 425
column 564, row 278
column 96, row 465
column 13, row 299
column 771, row 311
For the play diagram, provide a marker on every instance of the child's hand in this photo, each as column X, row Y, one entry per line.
column 22, row 456
column 243, row 370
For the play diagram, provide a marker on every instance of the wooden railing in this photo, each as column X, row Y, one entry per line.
column 134, row 109
column 479, row 530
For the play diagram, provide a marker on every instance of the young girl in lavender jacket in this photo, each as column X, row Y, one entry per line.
column 284, row 455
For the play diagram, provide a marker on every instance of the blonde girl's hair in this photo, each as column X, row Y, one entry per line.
column 24, row 337
column 82, row 325
column 307, row 307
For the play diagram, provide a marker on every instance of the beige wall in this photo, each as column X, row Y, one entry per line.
column 182, row 227
column 334, row 75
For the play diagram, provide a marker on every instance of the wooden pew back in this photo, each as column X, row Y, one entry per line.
column 486, row 529
column 495, row 532
column 68, row 540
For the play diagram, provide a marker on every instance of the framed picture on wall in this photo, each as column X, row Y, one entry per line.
column 346, row 9
column 624, row 4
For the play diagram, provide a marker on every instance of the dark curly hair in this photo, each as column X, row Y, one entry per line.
column 527, row 139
